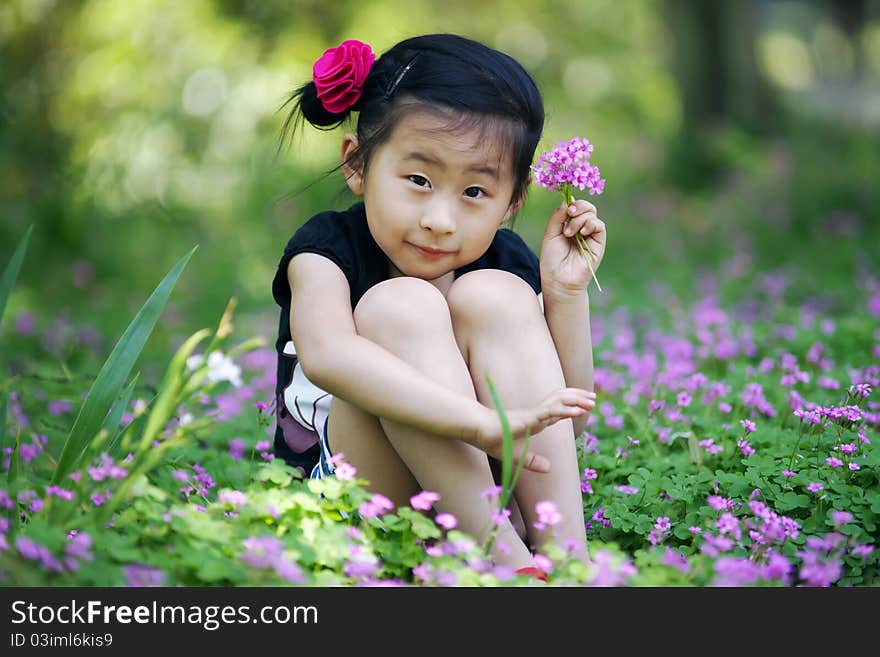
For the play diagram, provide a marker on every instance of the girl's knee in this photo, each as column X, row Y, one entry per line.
column 400, row 305
column 494, row 295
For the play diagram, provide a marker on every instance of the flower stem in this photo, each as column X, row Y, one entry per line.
column 579, row 239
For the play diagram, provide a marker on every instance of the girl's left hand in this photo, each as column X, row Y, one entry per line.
column 563, row 269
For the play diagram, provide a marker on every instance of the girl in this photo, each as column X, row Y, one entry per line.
column 395, row 310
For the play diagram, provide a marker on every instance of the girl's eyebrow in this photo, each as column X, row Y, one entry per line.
column 487, row 169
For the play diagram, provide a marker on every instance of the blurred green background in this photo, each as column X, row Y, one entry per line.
column 737, row 138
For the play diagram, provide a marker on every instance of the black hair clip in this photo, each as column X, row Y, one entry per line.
column 390, row 92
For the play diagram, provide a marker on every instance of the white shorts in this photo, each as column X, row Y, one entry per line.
column 309, row 407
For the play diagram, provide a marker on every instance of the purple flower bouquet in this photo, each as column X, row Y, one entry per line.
column 564, row 167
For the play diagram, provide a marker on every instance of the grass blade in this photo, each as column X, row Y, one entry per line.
column 4, row 401
column 115, row 416
column 110, row 380
column 509, row 475
column 506, row 437
column 14, row 462
column 10, row 274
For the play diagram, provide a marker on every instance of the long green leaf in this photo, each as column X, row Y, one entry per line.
column 115, row 416
column 4, row 401
column 106, row 388
column 10, row 274
column 169, row 391
column 14, row 462
column 506, row 437
column 519, row 467
column 509, row 474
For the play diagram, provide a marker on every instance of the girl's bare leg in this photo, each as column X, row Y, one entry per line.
column 410, row 318
column 501, row 330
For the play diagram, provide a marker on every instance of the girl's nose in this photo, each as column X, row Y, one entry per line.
column 438, row 218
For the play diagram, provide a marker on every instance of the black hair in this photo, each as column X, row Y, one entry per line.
column 464, row 82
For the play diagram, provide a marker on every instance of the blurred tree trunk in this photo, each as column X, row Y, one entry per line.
column 33, row 187
column 850, row 16
column 716, row 69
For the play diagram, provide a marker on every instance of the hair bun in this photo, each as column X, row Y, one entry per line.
column 315, row 112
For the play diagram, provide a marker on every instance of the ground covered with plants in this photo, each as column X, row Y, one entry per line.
column 734, row 443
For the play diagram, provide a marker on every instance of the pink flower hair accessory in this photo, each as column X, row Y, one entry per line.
column 340, row 73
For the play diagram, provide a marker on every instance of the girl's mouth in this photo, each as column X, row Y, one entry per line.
column 428, row 253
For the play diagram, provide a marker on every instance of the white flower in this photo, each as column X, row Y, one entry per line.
column 220, row 367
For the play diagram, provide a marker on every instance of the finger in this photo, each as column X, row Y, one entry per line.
column 576, row 395
column 556, row 223
column 580, row 206
column 536, row 463
column 577, row 402
column 560, row 411
column 574, row 224
column 593, row 227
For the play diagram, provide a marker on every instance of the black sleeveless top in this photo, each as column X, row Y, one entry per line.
column 345, row 239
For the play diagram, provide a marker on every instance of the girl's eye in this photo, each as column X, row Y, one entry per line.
column 479, row 190
column 418, row 180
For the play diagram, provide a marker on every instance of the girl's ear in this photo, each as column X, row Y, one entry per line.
column 517, row 204
column 353, row 176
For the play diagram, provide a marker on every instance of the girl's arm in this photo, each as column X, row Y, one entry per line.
column 565, row 277
column 568, row 318
column 335, row 358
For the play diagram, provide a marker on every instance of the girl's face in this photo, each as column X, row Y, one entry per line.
column 433, row 200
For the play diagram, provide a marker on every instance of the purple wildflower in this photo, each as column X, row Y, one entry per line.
column 345, row 471
column 735, row 571
column 863, row 551
column 446, row 520
column 236, row 448
column 568, row 164
column 719, row 503
column 375, row 506
column 728, row 524
column 715, row 545
column 78, row 546
column 138, row 575
column 424, row 500
column 232, row 497
column 492, row 493
column 745, row 447
column 777, row 567
column 675, row 560
column 599, row 516
column 610, row 571
column 548, row 515
column 289, row 571
column 60, row 407
column 500, row 516
column 29, row 451
column 709, row 445
column 261, row 551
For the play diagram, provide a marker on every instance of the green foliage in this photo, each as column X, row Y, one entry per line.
column 10, row 272
column 119, row 154
column 111, row 379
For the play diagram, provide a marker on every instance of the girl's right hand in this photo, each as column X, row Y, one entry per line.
column 559, row 405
